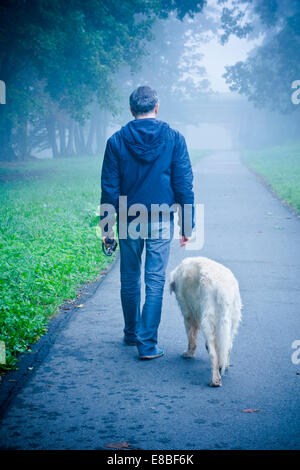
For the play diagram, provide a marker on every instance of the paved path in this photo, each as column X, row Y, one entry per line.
column 91, row 390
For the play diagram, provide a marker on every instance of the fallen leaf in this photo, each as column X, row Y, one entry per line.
column 250, row 410
column 118, row 445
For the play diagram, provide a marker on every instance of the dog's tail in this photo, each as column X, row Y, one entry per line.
column 172, row 284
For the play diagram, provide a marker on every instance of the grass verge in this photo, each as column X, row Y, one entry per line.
column 48, row 243
column 197, row 155
column 280, row 168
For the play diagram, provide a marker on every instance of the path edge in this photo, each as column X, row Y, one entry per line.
column 14, row 380
column 270, row 189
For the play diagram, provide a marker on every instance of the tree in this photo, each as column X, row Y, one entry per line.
column 66, row 52
column 266, row 76
column 172, row 66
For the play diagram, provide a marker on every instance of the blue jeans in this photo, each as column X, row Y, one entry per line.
column 142, row 328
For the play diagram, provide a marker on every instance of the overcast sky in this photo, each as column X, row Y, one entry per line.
column 216, row 55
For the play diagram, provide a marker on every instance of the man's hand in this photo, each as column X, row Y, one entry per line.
column 184, row 240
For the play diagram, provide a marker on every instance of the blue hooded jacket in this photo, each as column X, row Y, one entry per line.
column 147, row 161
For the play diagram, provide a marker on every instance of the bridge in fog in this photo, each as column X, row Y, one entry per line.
column 218, row 123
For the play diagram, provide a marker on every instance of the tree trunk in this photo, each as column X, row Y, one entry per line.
column 82, row 140
column 79, row 139
column 6, row 126
column 90, row 139
column 76, row 139
column 51, row 129
column 22, row 139
column 70, row 150
column 62, row 138
column 101, row 132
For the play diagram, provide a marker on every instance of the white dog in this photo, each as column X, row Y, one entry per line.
column 208, row 295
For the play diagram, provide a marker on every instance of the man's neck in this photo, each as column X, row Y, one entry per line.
column 146, row 116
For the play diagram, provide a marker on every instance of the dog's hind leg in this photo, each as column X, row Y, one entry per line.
column 226, row 327
column 192, row 328
column 210, row 339
column 235, row 315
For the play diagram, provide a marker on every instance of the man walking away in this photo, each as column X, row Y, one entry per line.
column 147, row 161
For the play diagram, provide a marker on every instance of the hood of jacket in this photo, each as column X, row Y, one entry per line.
column 145, row 138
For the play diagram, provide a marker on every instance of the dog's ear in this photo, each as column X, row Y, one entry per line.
column 172, row 284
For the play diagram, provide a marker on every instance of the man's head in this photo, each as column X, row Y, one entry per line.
column 144, row 102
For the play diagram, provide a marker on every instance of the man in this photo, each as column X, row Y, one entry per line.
column 146, row 161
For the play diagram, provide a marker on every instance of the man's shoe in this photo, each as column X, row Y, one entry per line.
column 157, row 353
column 129, row 342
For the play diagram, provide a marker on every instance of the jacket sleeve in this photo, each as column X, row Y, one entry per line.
column 182, row 184
column 110, row 180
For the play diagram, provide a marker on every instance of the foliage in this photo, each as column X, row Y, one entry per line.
column 59, row 54
column 265, row 77
column 173, row 58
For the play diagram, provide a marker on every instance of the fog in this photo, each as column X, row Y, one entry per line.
column 223, row 71
column 227, row 73
column 195, row 97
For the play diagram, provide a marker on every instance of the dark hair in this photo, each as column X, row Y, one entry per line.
column 143, row 100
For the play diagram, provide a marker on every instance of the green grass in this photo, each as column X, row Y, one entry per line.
column 280, row 168
column 48, row 243
column 197, row 155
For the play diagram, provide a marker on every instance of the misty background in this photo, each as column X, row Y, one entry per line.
column 223, row 71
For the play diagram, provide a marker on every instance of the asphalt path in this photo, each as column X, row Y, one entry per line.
column 91, row 390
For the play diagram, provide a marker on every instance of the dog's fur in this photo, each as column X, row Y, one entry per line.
column 208, row 295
